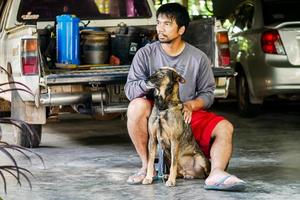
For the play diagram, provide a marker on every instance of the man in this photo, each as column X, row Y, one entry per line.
column 213, row 133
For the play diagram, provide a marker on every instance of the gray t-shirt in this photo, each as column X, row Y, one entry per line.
column 192, row 64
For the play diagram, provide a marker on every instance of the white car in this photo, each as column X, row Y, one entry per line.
column 265, row 51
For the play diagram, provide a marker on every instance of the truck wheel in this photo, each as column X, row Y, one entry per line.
column 4, row 114
column 245, row 107
column 0, row 132
column 25, row 138
column 4, row 108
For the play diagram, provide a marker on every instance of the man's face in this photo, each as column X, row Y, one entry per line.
column 167, row 29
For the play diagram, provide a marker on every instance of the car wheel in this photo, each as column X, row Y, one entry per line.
column 28, row 138
column 246, row 108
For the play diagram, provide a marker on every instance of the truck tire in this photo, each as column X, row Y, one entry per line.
column 0, row 132
column 4, row 108
column 24, row 138
column 4, row 114
column 245, row 107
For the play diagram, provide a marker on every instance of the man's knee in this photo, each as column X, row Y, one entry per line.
column 138, row 108
column 223, row 129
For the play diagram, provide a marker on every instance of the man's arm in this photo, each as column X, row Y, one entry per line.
column 137, row 76
column 205, row 91
column 205, row 85
column 194, row 105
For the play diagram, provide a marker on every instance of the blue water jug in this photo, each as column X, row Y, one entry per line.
column 67, row 39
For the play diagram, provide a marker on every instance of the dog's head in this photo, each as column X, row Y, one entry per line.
column 165, row 83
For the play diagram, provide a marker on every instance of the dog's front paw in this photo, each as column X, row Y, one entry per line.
column 147, row 181
column 170, row 183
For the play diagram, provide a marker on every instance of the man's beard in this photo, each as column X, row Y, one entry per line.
column 167, row 41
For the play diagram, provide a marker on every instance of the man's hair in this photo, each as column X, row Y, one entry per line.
column 175, row 11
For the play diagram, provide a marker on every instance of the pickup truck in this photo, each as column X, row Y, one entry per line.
column 37, row 75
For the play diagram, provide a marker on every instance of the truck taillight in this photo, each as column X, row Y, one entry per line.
column 29, row 57
column 223, row 46
column 271, row 43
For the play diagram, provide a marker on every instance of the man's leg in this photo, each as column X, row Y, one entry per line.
column 220, row 154
column 138, row 112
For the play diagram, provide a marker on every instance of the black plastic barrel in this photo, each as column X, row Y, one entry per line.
column 125, row 44
column 95, row 47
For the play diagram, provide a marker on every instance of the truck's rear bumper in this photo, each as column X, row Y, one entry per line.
column 222, row 77
column 223, row 72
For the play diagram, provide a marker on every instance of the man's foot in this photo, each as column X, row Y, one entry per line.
column 136, row 178
column 220, row 180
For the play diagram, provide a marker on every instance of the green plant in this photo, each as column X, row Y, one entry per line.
column 13, row 169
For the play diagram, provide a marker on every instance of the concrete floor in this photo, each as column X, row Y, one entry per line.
column 88, row 159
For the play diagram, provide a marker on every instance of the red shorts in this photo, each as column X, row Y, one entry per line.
column 203, row 124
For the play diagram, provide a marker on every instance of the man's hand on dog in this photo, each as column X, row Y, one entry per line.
column 187, row 112
column 189, row 107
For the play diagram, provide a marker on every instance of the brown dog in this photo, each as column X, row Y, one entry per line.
column 166, row 126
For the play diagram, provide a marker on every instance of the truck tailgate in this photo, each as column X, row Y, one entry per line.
column 108, row 74
column 102, row 74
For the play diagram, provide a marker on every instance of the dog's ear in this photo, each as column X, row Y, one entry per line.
column 179, row 78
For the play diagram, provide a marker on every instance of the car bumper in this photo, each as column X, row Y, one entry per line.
column 275, row 76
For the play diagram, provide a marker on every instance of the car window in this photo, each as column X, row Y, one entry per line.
column 244, row 17
column 44, row 10
column 241, row 20
column 248, row 13
column 276, row 11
